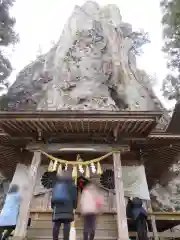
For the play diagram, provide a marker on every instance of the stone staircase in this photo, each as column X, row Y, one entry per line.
column 41, row 227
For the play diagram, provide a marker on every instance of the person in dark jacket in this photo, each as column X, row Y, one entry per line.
column 63, row 202
column 138, row 214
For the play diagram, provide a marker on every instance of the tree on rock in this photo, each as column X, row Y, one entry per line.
column 7, row 37
column 171, row 34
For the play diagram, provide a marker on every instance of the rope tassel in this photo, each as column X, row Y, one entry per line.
column 99, row 169
column 59, row 170
column 50, row 167
column 74, row 172
column 55, row 166
column 87, row 172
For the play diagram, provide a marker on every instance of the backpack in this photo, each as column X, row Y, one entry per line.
column 60, row 193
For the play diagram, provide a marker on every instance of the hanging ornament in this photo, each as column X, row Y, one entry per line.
column 55, row 166
column 50, row 167
column 93, row 168
column 66, row 167
column 82, row 182
column 78, row 159
column 99, row 170
column 87, row 172
column 81, row 169
column 74, row 171
column 59, row 170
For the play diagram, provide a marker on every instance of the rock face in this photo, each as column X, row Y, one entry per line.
column 167, row 198
column 92, row 67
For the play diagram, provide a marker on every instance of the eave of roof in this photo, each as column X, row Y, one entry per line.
column 75, row 114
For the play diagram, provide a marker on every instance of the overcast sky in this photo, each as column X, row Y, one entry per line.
column 40, row 22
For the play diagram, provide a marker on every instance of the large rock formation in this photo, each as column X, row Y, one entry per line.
column 91, row 67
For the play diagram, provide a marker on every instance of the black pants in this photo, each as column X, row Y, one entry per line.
column 89, row 226
column 141, row 227
column 56, row 228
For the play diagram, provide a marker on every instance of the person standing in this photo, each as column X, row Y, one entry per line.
column 90, row 205
column 136, row 212
column 63, row 202
column 10, row 211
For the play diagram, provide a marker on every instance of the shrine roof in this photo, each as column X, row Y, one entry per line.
column 138, row 124
column 173, row 126
column 137, row 129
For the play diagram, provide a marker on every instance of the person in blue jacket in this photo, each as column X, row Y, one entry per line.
column 10, row 211
column 63, row 202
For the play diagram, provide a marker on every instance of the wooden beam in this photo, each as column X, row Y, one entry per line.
column 152, row 217
column 120, row 200
column 24, row 212
column 153, row 222
column 72, row 137
column 161, row 235
column 3, row 134
column 164, row 136
column 81, row 147
column 4, row 115
column 165, row 235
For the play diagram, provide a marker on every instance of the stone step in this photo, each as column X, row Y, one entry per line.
column 77, row 238
column 48, row 217
column 48, row 224
column 41, row 227
column 79, row 232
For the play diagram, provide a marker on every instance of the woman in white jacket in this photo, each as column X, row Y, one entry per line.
column 90, row 204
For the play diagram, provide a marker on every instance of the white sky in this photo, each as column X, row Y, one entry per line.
column 40, row 22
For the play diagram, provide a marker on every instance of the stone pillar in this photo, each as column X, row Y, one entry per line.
column 120, row 200
column 24, row 211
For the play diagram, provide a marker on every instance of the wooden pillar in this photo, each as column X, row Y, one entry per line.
column 149, row 208
column 120, row 200
column 153, row 221
column 21, row 227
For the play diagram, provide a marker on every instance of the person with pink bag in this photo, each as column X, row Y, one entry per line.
column 90, row 205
